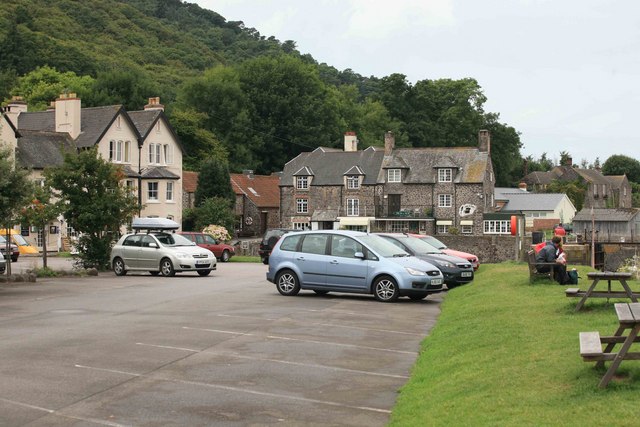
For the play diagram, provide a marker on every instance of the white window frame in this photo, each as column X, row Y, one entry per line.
column 152, row 193
column 445, row 200
column 497, row 226
column 442, row 229
column 445, row 175
column 170, row 192
column 302, row 206
column 466, row 229
column 302, row 182
column 168, row 154
column 296, row 225
column 353, row 207
column 353, row 182
column 127, row 152
column 394, row 175
column 154, row 154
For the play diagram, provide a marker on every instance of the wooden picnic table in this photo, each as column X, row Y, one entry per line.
column 591, row 342
column 598, row 276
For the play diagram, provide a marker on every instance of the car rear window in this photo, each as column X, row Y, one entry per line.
column 290, row 243
column 314, row 244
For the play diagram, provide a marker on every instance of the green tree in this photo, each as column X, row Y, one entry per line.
column 215, row 211
column 199, row 143
column 505, row 153
column 42, row 211
column 214, row 181
column 15, row 189
column 94, row 203
column 575, row 191
column 619, row 164
column 130, row 88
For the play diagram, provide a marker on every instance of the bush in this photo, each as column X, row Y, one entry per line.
column 218, row 232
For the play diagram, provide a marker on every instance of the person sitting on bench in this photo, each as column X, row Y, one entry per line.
column 550, row 254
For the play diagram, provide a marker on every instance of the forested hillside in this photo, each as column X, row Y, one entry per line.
column 231, row 93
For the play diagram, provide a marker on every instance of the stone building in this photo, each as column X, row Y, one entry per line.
column 257, row 202
column 424, row 190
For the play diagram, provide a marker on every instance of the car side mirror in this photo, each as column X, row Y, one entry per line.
column 153, row 245
column 359, row 255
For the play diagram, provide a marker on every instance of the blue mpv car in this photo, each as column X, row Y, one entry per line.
column 349, row 261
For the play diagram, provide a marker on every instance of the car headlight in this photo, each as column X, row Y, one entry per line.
column 443, row 263
column 414, row 272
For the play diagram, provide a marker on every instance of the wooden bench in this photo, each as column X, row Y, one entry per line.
column 607, row 276
column 533, row 272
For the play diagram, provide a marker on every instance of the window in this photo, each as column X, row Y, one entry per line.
column 497, row 227
column 129, row 185
column 300, row 225
column 290, row 243
column 112, row 150
column 394, row 175
column 154, row 154
column 152, row 191
column 467, row 229
column 118, row 150
column 353, row 207
column 169, row 191
column 442, row 229
column 302, row 206
column 346, row 247
column 444, row 200
column 624, row 191
column 353, row 182
column 168, row 154
column 314, row 244
column 127, row 151
column 444, row 175
column 302, row 182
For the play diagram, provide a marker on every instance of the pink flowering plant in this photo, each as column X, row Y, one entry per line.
column 218, row 232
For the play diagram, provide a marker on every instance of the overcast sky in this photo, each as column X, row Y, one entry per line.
column 564, row 73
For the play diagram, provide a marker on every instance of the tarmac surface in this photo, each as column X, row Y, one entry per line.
column 225, row 350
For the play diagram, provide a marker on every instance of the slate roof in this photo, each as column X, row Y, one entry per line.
column 94, row 123
column 423, row 163
column 329, row 165
column 616, row 180
column 593, row 175
column 144, row 120
column 602, row 214
column 37, row 150
column 502, row 193
column 262, row 190
column 539, row 178
column 158, row 172
column 531, row 201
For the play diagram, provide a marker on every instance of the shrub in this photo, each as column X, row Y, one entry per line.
column 218, row 232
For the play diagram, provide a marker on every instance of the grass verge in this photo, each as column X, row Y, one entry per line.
column 504, row 352
column 240, row 258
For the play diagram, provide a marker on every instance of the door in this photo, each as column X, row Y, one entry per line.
column 345, row 271
column 130, row 250
column 149, row 257
column 312, row 260
column 394, row 203
column 263, row 222
column 208, row 242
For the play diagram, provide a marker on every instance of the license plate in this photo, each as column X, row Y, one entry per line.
column 202, row 262
column 466, row 274
column 436, row 281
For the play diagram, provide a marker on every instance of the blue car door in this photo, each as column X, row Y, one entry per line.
column 312, row 260
column 345, row 271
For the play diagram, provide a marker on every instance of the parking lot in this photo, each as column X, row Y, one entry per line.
column 220, row 350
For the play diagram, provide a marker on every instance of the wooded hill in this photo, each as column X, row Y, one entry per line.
column 231, row 93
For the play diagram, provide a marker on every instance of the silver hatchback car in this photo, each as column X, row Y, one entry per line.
column 349, row 261
column 159, row 251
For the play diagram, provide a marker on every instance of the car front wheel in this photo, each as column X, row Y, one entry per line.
column 385, row 289
column 118, row 267
column 225, row 256
column 287, row 283
column 166, row 268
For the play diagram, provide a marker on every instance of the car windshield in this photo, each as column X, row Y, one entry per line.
column 20, row 240
column 419, row 246
column 382, row 247
column 434, row 242
column 173, row 240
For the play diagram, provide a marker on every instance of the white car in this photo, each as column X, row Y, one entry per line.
column 159, row 251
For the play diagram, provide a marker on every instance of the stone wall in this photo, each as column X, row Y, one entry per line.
column 489, row 249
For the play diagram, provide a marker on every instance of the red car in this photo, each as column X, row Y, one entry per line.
column 222, row 251
column 475, row 262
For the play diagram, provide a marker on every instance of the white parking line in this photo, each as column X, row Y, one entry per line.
column 58, row 414
column 327, row 324
column 275, row 337
column 107, row 370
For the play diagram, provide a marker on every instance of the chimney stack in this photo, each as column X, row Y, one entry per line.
column 16, row 105
column 68, row 114
column 350, row 141
column 522, row 186
column 484, row 141
column 568, row 161
column 389, row 143
column 248, row 173
column 154, row 104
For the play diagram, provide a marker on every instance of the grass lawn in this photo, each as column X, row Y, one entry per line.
column 504, row 352
column 241, row 258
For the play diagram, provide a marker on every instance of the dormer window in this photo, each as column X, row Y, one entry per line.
column 302, row 182
column 353, row 182
column 445, row 175
column 394, row 175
